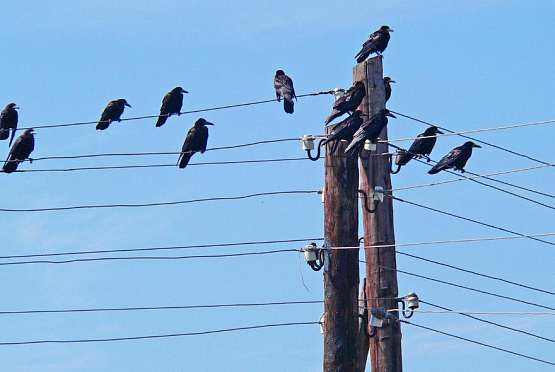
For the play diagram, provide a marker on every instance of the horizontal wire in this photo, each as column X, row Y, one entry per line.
column 471, row 220
column 174, row 307
column 476, row 273
column 111, row 167
column 460, row 286
column 479, row 176
column 99, row 206
column 156, row 336
column 474, row 312
column 477, row 342
column 148, row 249
column 468, row 315
column 181, row 113
column 86, row 156
column 477, row 140
column 148, row 258
column 514, row 126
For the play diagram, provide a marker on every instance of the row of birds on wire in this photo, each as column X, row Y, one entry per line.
column 353, row 129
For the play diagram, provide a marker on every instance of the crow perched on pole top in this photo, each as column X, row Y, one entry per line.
column 386, row 82
column 21, row 149
column 8, row 120
column 376, row 43
column 369, row 130
column 349, row 102
column 421, row 147
column 456, row 159
column 284, row 88
column 111, row 113
column 196, row 141
column 171, row 104
column 344, row 130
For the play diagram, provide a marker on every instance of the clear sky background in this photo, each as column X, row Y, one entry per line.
column 461, row 65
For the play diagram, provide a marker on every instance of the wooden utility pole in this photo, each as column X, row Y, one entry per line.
column 385, row 346
column 341, row 273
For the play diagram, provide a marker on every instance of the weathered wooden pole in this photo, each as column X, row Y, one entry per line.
column 381, row 284
column 341, row 273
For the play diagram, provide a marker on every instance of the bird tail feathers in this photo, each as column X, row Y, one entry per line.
column 334, row 114
column 184, row 160
column 104, row 124
column 161, row 120
column 288, row 105
column 10, row 165
column 4, row 134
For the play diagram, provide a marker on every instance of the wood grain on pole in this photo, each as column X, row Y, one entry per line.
column 385, row 347
column 341, row 273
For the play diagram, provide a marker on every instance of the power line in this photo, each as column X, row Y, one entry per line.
column 477, row 140
column 514, row 126
column 461, row 286
column 467, row 314
column 470, row 220
column 112, row 167
column 474, row 312
column 148, row 258
column 180, row 247
column 154, row 308
column 99, row 206
column 64, row 157
column 476, row 273
column 478, row 343
column 156, row 336
column 181, row 113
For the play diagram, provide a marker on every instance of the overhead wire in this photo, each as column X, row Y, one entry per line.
column 146, row 337
column 179, row 202
column 513, row 299
column 181, row 113
column 478, row 342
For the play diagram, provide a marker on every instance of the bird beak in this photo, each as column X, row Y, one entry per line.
column 16, row 107
column 33, row 132
column 475, row 145
column 393, row 116
column 184, row 91
column 390, row 30
column 392, row 81
column 208, row 123
column 127, row 104
column 439, row 132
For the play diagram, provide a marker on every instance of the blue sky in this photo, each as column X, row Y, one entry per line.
column 463, row 66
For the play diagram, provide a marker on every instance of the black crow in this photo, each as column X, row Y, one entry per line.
column 284, row 88
column 111, row 113
column 196, row 141
column 8, row 120
column 376, row 43
column 421, row 147
column 349, row 101
column 456, row 159
column 369, row 130
column 21, row 149
column 343, row 130
column 171, row 104
column 386, row 82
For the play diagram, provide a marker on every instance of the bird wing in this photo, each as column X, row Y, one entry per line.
column 451, row 157
column 166, row 104
column 14, row 148
column 284, row 85
column 343, row 100
column 189, row 140
column 3, row 121
column 370, row 43
column 416, row 147
column 108, row 111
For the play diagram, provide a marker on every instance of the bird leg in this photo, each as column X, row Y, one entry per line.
column 30, row 160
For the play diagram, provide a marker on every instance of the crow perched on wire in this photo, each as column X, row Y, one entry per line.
column 456, row 159
column 21, row 149
column 196, row 141
column 171, row 104
column 8, row 120
column 111, row 113
column 386, row 82
column 349, row 101
column 421, row 147
column 344, row 130
column 369, row 130
column 376, row 43
column 284, row 88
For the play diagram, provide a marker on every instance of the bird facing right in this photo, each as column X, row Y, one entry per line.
column 422, row 146
column 284, row 88
column 456, row 159
column 21, row 149
column 376, row 43
column 196, row 141
column 349, row 102
column 111, row 113
column 8, row 121
column 171, row 104
column 387, row 84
